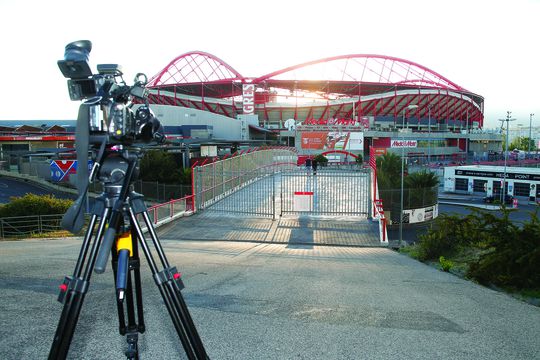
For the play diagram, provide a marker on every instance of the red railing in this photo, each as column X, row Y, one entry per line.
column 162, row 213
column 379, row 215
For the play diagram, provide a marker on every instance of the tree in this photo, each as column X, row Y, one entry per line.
column 522, row 143
column 389, row 171
column 158, row 165
column 421, row 189
column 321, row 159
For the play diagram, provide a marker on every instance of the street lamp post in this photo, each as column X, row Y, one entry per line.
column 429, row 135
column 503, row 184
column 402, row 176
column 530, row 135
column 467, row 138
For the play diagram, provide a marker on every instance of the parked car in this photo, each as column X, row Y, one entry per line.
column 508, row 199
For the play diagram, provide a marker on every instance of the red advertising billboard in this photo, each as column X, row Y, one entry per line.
column 331, row 140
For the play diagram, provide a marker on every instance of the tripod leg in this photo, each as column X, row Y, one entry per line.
column 74, row 289
column 162, row 278
column 174, row 288
column 126, row 266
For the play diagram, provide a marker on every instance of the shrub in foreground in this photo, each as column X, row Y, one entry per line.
column 31, row 204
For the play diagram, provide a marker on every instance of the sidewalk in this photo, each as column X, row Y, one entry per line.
column 271, row 301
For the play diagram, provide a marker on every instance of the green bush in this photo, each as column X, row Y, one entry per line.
column 507, row 255
column 446, row 265
column 321, row 159
column 161, row 166
column 512, row 256
column 31, row 204
column 451, row 233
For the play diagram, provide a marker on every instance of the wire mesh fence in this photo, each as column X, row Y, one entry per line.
column 214, row 181
column 27, row 226
column 413, row 198
column 153, row 190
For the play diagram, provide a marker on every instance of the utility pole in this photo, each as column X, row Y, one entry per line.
column 429, row 135
column 530, row 135
column 503, row 183
column 410, row 107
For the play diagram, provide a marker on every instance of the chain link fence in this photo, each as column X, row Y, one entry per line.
column 153, row 190
column 413, row 198
column 219, row 179
column 26, row 226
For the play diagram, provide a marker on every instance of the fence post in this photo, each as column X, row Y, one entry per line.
column 40, row 226
column 1, row 228
column 273, row 195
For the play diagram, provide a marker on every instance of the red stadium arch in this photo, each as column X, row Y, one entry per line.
column 339, row 152
column 374, row 69
column 195, row 67
column 382, row 87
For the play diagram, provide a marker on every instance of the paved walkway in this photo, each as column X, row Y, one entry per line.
column 271, row 301
column 306, row 230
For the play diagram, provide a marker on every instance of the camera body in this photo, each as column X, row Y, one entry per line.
column 109, row 99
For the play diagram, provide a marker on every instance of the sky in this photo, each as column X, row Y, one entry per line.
column 491, row 48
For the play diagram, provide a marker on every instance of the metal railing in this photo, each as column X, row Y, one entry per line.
column 413, row 198
column 218, row 179
column 163, row 213
column 25, row 226
column 153, row 190
column 379, row 215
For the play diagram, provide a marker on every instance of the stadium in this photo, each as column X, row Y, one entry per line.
column 340, row 106
column 346, row 103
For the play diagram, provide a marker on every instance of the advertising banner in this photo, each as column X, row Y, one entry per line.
column 332, row 140
column 420, row 215
column 399, row 143
column 62, row 169
column 248, row 99
column 303, row 201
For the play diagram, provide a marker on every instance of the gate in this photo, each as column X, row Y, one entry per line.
column 330, row 192
column 276, row 191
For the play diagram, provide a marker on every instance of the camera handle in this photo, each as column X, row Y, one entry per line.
column 73, row 219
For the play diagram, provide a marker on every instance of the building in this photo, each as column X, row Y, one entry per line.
column 520, row 182
column 339, row 106
column 344, row 104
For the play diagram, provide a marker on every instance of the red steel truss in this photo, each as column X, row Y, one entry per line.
column 359, row 84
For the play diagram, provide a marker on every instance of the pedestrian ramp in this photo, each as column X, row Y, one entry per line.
column 291, row 230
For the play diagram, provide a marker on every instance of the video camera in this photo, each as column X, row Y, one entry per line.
column 109, row 99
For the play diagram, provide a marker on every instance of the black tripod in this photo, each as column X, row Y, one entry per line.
column 118, row 207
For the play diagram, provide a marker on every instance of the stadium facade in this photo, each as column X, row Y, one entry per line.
column 338, row 106
column 342, row 104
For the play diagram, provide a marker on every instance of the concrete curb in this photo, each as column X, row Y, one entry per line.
column 481, row 206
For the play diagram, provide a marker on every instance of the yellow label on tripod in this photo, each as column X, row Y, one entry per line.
column 124, row 242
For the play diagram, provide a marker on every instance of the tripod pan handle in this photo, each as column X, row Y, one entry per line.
column 105, row 249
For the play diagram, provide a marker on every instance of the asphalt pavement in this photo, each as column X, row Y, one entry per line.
column 271, row 301
column 12, row 187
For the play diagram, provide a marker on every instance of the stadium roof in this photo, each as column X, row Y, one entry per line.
column 377, row 86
